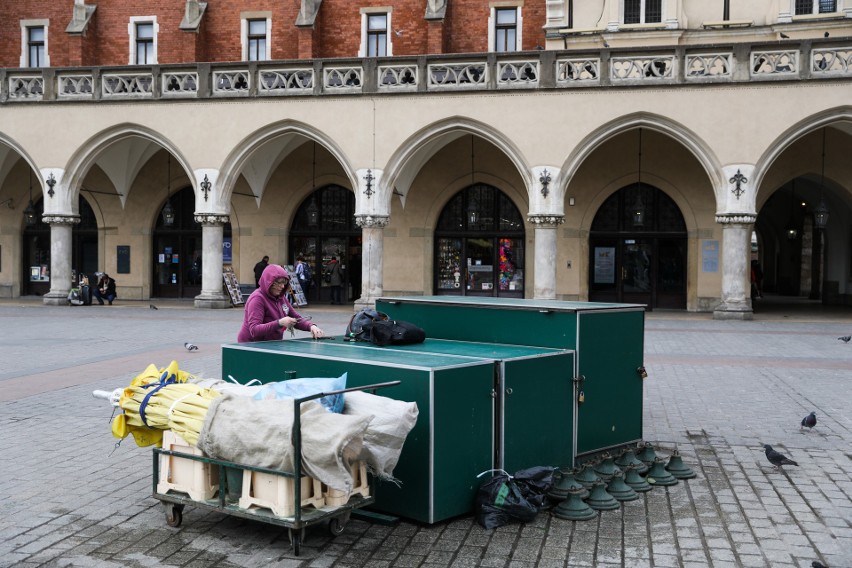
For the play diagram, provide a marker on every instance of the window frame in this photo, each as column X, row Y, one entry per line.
column 643, row 13
column 816, row 8
column 493, row 26
column 132, row 29
column 366, row 14
column 26, row 26
column 245, row 39
column 505, row 46
column 256, row 42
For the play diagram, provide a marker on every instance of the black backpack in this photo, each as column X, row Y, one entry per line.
column 360, row 324
column 306, row 272
column 396, row 332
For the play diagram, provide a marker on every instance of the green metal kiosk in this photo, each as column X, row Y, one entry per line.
column 608, row 341
column 480, row 406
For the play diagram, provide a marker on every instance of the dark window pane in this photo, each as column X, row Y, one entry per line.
column 827, row 6
column 804, row 7
column 631, row 11
column 653, row 11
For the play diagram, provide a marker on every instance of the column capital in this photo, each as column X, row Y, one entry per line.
column 372, row 221
column 736, row 218
column 546, row 221
column 60, row 219
column 212, row 219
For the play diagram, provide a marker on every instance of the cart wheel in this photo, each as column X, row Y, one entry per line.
column 296, row 539
column 337, row 524
column 174, row 514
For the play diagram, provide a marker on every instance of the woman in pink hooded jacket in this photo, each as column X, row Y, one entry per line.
column 268, row 313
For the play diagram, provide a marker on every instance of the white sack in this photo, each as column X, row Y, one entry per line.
column 257, row 433
column 386, row 433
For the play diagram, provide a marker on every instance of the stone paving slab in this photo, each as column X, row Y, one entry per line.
column 717, row 390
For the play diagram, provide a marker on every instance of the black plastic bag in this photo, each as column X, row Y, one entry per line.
column 505, row 499
column 535, row 483
column 395, row 332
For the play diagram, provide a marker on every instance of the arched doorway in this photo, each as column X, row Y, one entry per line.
column 324, row 226
column 479, row 245
column 638, row 247
column 36, row 249
column 177, row 250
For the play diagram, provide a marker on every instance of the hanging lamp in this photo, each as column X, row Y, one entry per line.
column 821, row 212
column 792, row 229
column 168, row 211
column 637, row 212
column 30, row 212
column 472, row 205
column 313, row 210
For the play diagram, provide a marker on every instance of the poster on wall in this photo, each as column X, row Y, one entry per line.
column 604, row 265
column 122, row 259
column 226, row 251
column 710, row 256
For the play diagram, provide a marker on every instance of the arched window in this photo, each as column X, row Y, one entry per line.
column 637, row 246
column 323, row 227
column 479, row 245
column 178, row 250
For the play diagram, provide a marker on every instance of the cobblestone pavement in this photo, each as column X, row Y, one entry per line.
column 716, row 389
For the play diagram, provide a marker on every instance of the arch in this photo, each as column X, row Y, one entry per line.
column 242, row 153
column 802, row 128
column 407, row 161
column 482, row 223
column 88, row 153
column 696, row 146
column 10, row 156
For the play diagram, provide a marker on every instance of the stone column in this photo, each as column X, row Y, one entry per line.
column 736, row 268
column 211, row 295
column 545, row 255
column 61, row 238
column 372, row 265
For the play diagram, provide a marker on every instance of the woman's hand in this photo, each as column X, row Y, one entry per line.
column 316, row 332
column 287, row 321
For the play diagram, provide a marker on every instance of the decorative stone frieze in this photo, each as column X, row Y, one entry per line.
column 372, row 221
column 742, row 218
column 60, row 219
column 211, row 218
column 546, row 220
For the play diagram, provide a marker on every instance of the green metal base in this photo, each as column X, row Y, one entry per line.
column 375, row 518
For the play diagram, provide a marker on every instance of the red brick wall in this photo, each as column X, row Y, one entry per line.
column 337, row 32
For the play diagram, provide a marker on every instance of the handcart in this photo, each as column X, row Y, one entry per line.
column 301, row 518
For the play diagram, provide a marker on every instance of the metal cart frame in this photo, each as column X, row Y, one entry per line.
column 337, row 518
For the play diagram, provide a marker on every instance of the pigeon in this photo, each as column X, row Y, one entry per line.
column 845, row 338
column 777, row 459
column 815, row 563
column 809, row 420
column 784, row 36
column 826, row 34
column 153, row 307
column 190, row 347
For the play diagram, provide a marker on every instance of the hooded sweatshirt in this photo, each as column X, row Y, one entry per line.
column 263, row 310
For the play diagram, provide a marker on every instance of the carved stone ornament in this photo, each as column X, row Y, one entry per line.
column 211, row 218
column 435, row 9
column 372, row 221
column 736, row 218
column 546, row 220
column 60, row 219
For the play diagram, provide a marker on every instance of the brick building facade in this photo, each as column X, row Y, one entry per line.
column 100, row 33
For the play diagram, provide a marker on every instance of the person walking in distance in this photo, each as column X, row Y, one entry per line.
column 335, row 280
column 259, row 268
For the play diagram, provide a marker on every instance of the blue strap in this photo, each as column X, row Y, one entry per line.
column 165, row 379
